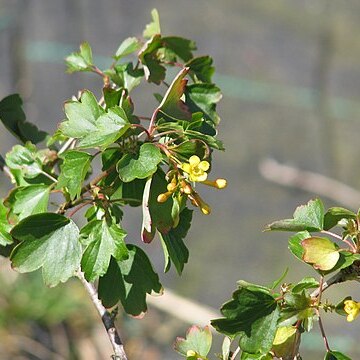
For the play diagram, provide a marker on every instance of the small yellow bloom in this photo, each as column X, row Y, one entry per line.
column 352, row 308
column 196, row 169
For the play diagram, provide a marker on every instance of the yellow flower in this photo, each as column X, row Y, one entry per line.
column 196, row 169
column 352, row 308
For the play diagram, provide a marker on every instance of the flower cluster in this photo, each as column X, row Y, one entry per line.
column 181, row 182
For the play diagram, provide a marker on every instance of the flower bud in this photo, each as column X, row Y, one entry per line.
column 163, row 197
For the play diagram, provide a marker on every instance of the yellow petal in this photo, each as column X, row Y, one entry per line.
column 204, row 165
column 194, row 160
column 186, row 168
column 201, row 177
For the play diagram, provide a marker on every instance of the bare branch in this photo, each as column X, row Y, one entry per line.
column 107, row 319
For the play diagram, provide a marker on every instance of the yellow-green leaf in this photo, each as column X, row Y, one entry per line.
column 322, row 253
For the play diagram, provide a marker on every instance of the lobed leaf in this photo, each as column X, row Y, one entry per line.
column 28, row 200
column 127, row 47
column 204, row 98
column 103, row 241
column 202, row 68
column 137, row 279
column 309, row 217
column 336, row 355
column 174, row 248
column 252, row 314
column 197, row 340
column 152, row 28
column 80, row 61
column 334, row 215
column 5, row 227
column 14, row 119
column 48, row 241
column 73, row 171
column 131, row 167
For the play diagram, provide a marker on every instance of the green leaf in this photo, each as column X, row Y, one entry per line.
column 211, row 141
column 174, row 248
column 305, row 283
column 322, row 253
column 23, row 159
column 202, row 68
column 188, row 148
column 103, row 241
column 130, row 193
column 290, row 316
column 309, row 217
column 112, row 96
column 297, row 301
column 29, row 200
column 81, row 115
column 154, row 27
column 129, row 167
column 334, row 215
column 197, row 339
column 171, row 104
column 161, row 213
column 204, row 98
column 109, row 128
column 148, row 56
column 253, row 315
column 179, row 46
column 5, row 227
column 262, row 334
column 111, row 285
column 80, row 61
column 336, row 355
column 345, row 260
column 125, row 76
column 137, row 279
column 73, row 171
column 89, row 122
column 247, row 356
column 127, row 47
column 48, row 241
column 14, row 119
column 285, row 342
column 295, row 244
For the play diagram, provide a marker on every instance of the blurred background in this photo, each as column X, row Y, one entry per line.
column 290, row 75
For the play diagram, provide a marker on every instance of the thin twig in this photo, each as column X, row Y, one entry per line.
column 72, row 213
column 7, row 171
column 353, row 248
column 235, row 353
column 70, row 204
column 336, row 279
column 323, row 331
column 66, row 146
column 49, row 176
column 107, row 319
